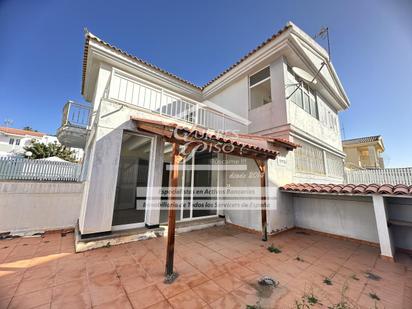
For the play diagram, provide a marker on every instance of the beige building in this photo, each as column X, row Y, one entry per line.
column 364, row 152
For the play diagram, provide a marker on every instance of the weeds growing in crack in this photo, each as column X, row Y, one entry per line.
column 274, row 249
column 327, row 281
column 374, row 296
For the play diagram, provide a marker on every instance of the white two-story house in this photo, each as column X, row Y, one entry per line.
column 260, row 95
column 13, row 141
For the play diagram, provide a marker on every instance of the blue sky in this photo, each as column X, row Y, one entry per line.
column 41, row 46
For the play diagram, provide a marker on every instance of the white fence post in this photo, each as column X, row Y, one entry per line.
column 29, row 169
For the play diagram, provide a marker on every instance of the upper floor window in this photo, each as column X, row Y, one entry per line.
column 17, row 142
column 305, row 97
column 259, row 85
column 11, row 141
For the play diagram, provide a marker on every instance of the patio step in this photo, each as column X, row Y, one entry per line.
column 121, row 237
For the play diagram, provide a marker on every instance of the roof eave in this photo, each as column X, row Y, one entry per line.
column 92, row 42
column 341, row 98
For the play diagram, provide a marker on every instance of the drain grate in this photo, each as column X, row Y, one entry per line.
column 268, row 281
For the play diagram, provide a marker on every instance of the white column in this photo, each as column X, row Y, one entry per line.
column 372, row 156
column 100, row 185
column 381, row 215
column 154, row 183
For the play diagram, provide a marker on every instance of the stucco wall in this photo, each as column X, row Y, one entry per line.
column 271, row 115
column 279, row 206
column 400, row 209
column 249, row 218
column 37, row 206
column 345, row 216
column 234, row 98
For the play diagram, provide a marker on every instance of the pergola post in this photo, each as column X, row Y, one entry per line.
column 262, row 169
column 176, row 158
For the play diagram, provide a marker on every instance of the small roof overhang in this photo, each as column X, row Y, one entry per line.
column 243, row 145
column 399, row 190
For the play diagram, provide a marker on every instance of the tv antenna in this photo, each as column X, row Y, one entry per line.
column 8, row 122
column 324, row 34
column 305, row 76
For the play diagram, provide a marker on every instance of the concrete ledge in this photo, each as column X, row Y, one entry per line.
column 387, row 258
column 126, row 236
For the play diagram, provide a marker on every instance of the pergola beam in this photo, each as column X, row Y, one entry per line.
column 172, row 204
column 262, row 171
column 171, row 227
column 243, row 149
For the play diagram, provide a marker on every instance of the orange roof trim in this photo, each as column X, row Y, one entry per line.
column 21, row 132
column 89, row 37
column 256, row 143
column 360, row 189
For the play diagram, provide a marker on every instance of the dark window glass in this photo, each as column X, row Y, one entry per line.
column 259, row 76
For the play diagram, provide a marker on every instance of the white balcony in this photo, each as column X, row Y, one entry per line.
column 125, row 88
column 75, row 125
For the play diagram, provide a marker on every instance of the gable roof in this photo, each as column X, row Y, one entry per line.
column 311, row 53
column 361, row 140
column 91, row 37
column 20, row 132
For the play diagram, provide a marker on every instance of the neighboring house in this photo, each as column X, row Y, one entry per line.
column 364, row 152
column 14, row 140
column 130, row 99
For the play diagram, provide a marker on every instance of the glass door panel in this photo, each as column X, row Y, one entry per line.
column 130, row 201
column 204, row 185
column 187, row 194
column 164, row 210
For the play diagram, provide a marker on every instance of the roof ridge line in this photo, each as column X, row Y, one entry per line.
column 89, row 35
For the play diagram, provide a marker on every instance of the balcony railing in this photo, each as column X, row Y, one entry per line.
column 125, row 88
column 391, row 176
column 76, row 115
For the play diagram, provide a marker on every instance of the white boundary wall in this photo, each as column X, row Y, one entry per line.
column 28, row 207
column 352, row 217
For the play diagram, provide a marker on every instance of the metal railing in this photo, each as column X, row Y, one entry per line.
column 391, row 176
column 132, row 91
column 13, row 168
column 77, row 115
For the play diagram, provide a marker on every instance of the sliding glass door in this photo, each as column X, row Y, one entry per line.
column 198, row 183
column 205, row 178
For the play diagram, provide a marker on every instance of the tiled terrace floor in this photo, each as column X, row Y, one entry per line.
column 218, row 268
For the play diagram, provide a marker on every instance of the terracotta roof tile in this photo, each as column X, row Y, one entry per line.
column 260, row 46
column 363, row 189
column 20, row 132
column 366, row 139
column 89, row 37
column 250, row 142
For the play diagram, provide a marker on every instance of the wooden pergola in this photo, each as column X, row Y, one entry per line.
column 245, row 146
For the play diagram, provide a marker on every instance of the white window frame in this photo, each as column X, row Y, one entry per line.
column 192, row 180
column 305, row 89
column 128, row 226
column 257, row 84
